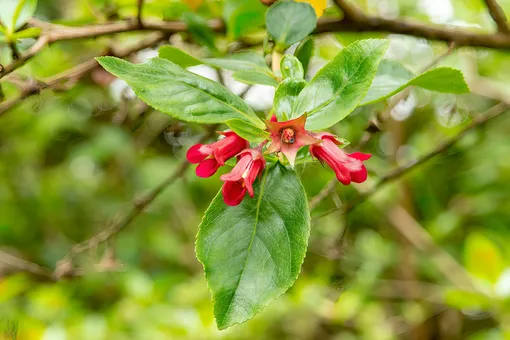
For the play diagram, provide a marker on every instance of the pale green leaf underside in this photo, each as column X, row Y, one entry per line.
column 252, row 253
column 249, row 67
column 184, row 95
column 338, row 88
column 392, row 77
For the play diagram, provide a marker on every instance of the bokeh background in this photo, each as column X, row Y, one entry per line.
column 72, row 160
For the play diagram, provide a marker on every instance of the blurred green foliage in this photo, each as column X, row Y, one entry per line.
column 70, row 160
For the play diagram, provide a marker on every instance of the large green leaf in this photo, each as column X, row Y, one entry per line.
column 249, row 67
column 289, row 22
column 15, row 13
column 184, row 95
column 393, row 77
column 286, row 96
column 252, row 253
column 338, row 88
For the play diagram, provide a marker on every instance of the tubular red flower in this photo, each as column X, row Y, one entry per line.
column 241, row 178
column 289, row 136
column 347, row 167
column 211, row 156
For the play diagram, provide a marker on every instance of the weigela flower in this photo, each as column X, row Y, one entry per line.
column 211, row 156
column 347, row 167
column 289, row 136
column 251, row 164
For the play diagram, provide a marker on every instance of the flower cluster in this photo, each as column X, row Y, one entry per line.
column 286, row 137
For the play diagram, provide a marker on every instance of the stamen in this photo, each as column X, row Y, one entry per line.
column 288, row 136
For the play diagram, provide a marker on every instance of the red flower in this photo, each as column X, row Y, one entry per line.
column 289, row 136
column 347, row 167
column 211, row 156
column 241, row 178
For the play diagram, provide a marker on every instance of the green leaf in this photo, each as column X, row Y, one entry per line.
column 178, row 56
column 247, row 131
column 249, row 67
column 254, row 77
column 252, row 253
column 184, row 95
column 338, row 88
column 286, row 96
column 15, row 13
column 31, row 32
column 304, row 52
column 240, row 61
column 482, row 258
column 289, row 22
column 291, row 67
column 243, row 16
column 393, row 77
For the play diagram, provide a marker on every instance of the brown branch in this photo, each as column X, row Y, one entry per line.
column 139, row 6
column 355, row 21
column 477, row 122
column 52, row 33
column 72, row 74
column 21, row 265
column 409, row 228
column 498, row 15
column 137, row 207
column 36, row 48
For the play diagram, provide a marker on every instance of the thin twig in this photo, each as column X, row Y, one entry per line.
column 71, row 74
column 353, row 21
column 498, row 15
column 325, row 192
column 36, row 48
column 356, row 21
column 477, row 122
column 52, row 33
column 22, row 265
column 137, row 207
column 408, row 227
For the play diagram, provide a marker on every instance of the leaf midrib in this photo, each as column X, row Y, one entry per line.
column 259, row 201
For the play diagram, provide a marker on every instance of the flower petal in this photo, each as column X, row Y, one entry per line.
column 359, row 176
column 233, row 192
column 238, row 171
column 255, row 169
column 290, row 151
column 198, row 153
column 207, row 168
column 360, row 156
